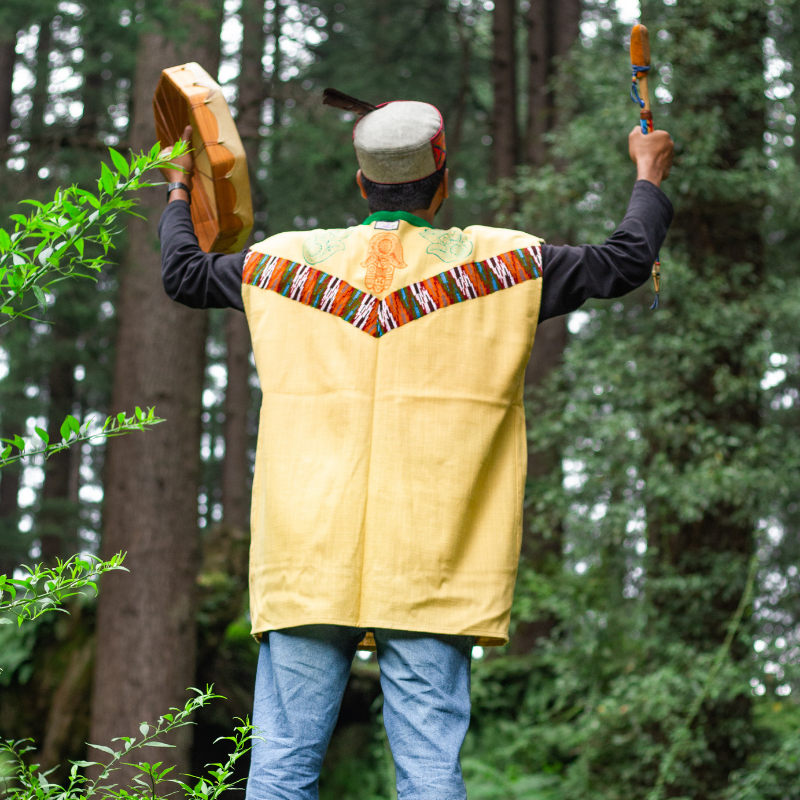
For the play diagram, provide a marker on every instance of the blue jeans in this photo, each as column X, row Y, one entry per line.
column 302, row 674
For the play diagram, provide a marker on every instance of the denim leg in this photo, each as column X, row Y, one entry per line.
column 302, row 674
column 426, row 681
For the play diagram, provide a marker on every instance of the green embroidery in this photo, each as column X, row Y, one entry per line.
column 447, row 245
column 324, row 244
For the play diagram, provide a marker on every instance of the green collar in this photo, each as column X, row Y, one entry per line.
column 391, row 216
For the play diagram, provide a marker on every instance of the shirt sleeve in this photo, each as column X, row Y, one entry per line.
column 572, row 275
column 190, row 276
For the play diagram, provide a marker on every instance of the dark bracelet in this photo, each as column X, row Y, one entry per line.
column 178, row 185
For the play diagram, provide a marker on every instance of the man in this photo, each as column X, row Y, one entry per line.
column 387, row 497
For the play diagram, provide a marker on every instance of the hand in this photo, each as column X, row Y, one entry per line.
column 652, row 154
column 186, row 164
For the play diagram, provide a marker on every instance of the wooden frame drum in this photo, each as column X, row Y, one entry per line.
column 222, row 211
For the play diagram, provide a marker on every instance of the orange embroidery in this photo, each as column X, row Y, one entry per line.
column 384, row 254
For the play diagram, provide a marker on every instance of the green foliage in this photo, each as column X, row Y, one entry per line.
column 56, row 241
column 40, row 589
column 153, row 780
column 73, row 432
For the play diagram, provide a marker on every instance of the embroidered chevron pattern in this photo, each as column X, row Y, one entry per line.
column 317, row 289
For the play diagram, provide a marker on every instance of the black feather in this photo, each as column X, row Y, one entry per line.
column 337, row 99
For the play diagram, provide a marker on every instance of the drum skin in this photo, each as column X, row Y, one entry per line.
column 222, row 211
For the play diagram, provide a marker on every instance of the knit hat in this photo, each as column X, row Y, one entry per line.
column 400, row 142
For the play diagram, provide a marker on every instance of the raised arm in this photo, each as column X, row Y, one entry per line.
column 191, row 276
column 624, row 261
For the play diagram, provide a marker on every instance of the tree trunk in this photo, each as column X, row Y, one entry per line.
column 539, row 57
column 236, row 466
column 456, row 131
column 253, row 91
column 504, row 87
column 552, row 30
column 42, row 74
column 146, row 630
column 57, row 521
column 8, row 55
column 553, row 27
column 11, row 555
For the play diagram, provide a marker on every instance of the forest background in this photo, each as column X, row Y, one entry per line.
column 664, row 456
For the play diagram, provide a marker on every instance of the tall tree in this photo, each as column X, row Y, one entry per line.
column 42, row 75
column 505, row 136
column 146, row 633
column 56, row 522
column 552, row 31
column 253, row 92
column 8, row 54
column 553, row 27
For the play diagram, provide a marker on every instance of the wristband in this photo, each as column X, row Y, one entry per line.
column 178, row 185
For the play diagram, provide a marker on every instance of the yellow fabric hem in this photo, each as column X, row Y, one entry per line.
column 482, row 638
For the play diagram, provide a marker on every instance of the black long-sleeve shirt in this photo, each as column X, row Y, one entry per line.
column 572, row 275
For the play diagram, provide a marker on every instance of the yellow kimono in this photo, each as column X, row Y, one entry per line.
column 391, row 450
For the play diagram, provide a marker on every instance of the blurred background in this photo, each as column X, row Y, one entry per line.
column 664, row 447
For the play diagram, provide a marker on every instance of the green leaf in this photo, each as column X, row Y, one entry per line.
column 73, row 423
column 119, row 162
column 5, row 240
column 89, row 197
column 40, row 296
column 42, row 434
column 107, row 180
column 79, row 246
column 157, row 744
column 144, row 728
column 65, row 430
column 139, row 413
column 104, row 749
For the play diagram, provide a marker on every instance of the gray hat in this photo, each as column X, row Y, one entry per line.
column 400, row 142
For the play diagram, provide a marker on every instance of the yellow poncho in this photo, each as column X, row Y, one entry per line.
column 391, row 450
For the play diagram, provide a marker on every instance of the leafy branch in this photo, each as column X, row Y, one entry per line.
column 56, row 241
column 44, row 589
column 72, row 432
column 27, row 783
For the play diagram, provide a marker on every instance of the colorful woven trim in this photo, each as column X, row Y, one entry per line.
column 317, row 289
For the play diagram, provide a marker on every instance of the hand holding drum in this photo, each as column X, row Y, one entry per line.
column 189, row 105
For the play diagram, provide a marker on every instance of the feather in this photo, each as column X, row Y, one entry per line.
column 337, row 99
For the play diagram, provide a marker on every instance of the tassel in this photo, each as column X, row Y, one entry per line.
column 337, row 99
column 656, row 282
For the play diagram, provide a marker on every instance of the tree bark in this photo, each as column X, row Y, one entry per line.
column 552, row 30
column 146, row 630
column 236, row 466
column 10, row 550
column 504, row 86
column 553, row 27
column 456, row 131
column 57, row 522
column 253, row 92
column 42, row 74
column 8, row 55
column 539, row 58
